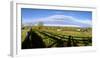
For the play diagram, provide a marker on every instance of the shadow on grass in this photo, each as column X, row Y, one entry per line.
column 33, row 40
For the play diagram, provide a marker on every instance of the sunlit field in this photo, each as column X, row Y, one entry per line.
column 47, row 37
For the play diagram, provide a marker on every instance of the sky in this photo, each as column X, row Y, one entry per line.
column 51, row 17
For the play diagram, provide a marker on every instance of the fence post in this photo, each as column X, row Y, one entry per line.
column 69, row 41
column 74, row 42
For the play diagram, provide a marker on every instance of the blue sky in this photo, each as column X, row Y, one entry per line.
column 57, row 17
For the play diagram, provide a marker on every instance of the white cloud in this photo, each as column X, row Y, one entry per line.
column 61, row 25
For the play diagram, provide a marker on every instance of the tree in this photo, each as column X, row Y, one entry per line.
column 40, row 25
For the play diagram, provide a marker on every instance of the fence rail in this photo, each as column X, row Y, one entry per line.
column 69, row 40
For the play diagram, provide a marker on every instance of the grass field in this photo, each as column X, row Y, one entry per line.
column 47, row 37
